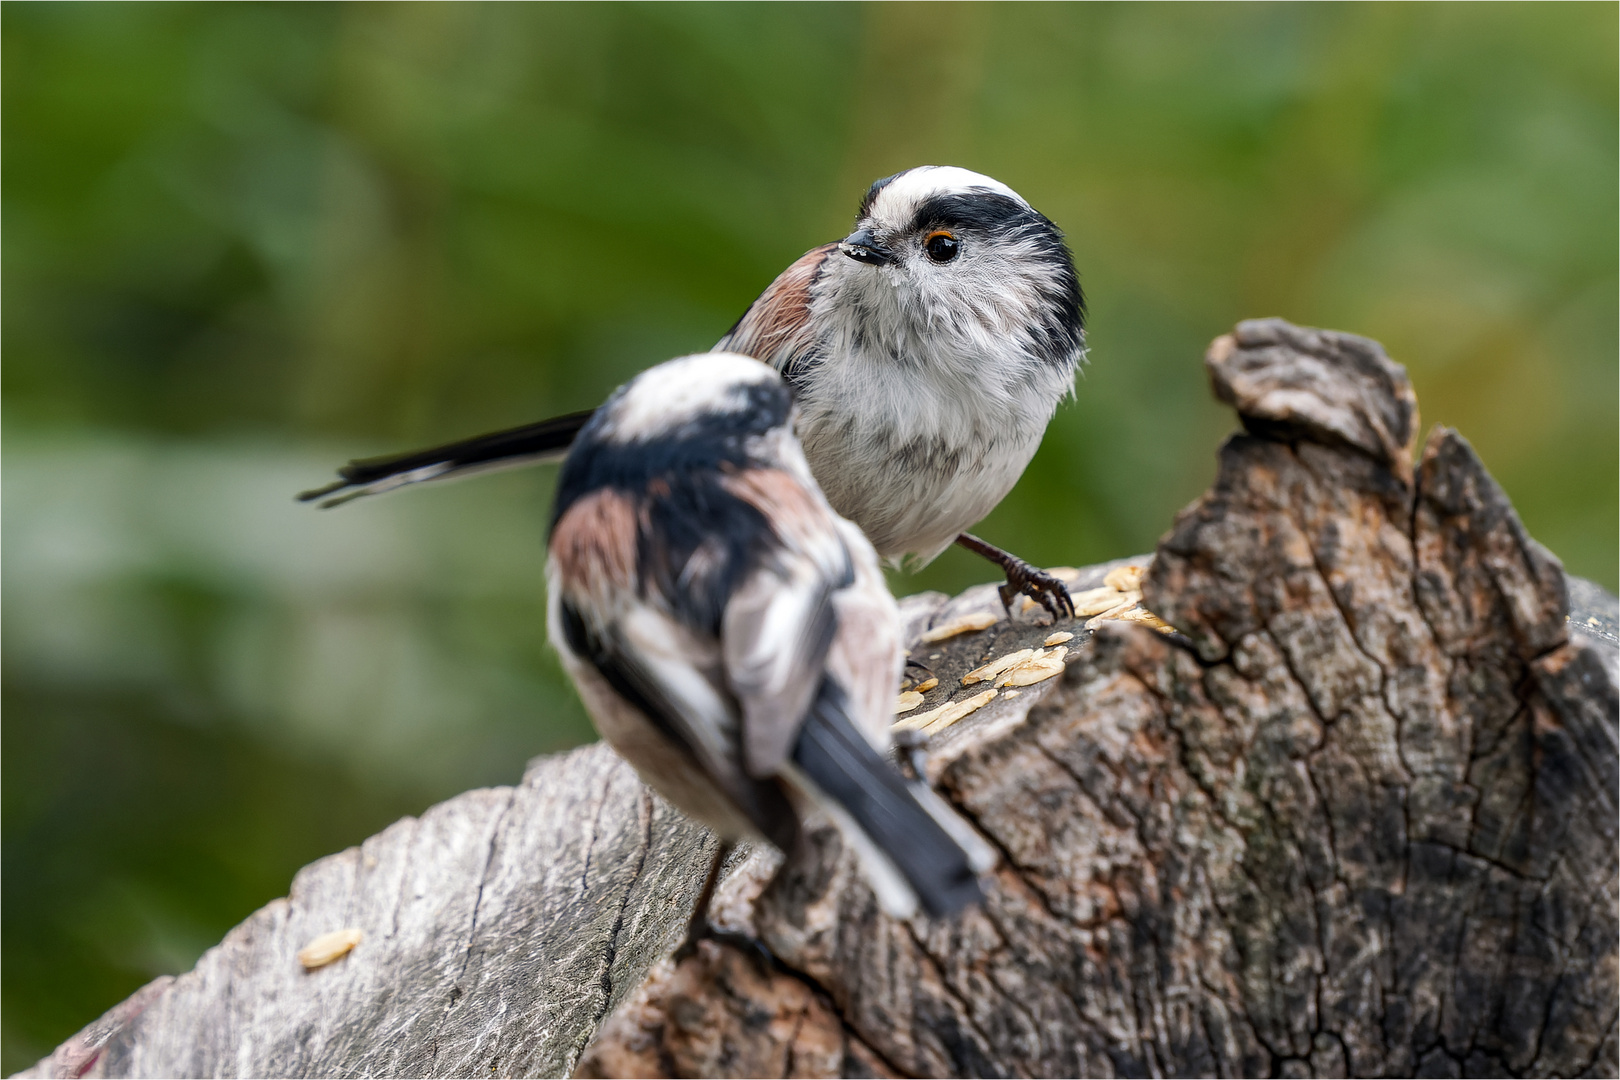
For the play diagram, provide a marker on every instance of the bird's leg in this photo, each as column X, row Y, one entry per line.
column 1031, row 581
column 699, row 927
column 912, row 745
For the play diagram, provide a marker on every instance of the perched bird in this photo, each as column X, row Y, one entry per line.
column 928, row 350
column 732, row 636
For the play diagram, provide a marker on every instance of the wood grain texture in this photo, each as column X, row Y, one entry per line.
column 1359, row 819
column 499, row 928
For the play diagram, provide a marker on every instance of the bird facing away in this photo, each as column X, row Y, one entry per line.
column 732, row 636
column 928, row 350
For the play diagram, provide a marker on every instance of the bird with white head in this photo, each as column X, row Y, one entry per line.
column 928, row 350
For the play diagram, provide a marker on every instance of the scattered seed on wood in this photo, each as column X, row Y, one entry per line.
column 1143, row 615
column 995, row 667
column 907, row 701
column 926, row 685
column 1095, row 601
column 956, row 712
column 1031, row 673
column 1011, row 693
column 1036, row 669
column 1112, row 613
column 943, row 717
column 919, row 720
column 328, row 947
column 1125, row 578
column 962, row 624
column 1058, row 638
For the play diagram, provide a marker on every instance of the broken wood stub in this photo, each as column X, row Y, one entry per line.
column 1365, row 824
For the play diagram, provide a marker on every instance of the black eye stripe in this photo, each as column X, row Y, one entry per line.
column 989, row 218
column 986, row 210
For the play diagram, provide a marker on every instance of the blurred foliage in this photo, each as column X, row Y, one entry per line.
column 243, row 243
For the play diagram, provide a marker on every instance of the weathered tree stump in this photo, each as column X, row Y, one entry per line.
column 1358, row 818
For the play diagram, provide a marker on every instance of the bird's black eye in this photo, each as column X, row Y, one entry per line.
column 941, row 246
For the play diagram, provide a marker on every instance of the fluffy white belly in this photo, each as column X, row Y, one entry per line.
column 913, row 469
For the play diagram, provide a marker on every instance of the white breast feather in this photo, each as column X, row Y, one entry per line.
column 918, row 437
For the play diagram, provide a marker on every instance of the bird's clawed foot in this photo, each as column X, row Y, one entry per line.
column 1043, row 588
column 750, row 947
column 1023, row 579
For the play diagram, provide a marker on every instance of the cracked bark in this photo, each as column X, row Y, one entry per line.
column 1359, row 820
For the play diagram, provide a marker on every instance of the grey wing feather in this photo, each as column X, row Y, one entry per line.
column 657, row 666
column 780, row 621
column 778, row 627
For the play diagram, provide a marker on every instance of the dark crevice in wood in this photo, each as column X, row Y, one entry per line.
column 611, row 952
column 472, row 922
column 1211, row 797
column 853, row 1038
column 963, row 1008
column 1007, row 859
column 1008, row 996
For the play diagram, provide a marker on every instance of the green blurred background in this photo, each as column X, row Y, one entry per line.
column 244, row 243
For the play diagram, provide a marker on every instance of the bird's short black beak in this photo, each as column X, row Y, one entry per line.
column 862, row 246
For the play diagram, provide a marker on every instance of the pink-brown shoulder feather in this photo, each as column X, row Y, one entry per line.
column 777, row 324
column 595, row 542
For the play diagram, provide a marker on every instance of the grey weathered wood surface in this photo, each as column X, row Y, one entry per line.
column 499, row 928
column 1365, row 824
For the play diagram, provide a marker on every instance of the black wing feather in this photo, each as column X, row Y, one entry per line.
column 848, row 770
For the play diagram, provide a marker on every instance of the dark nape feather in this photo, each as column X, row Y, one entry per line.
column 712, row 440
column 832, row 753
column 696, row 511
column 512, row 446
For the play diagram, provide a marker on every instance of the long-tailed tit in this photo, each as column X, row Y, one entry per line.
column 928, row 350
column 732, row 636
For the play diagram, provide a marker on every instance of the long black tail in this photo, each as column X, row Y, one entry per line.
column 526, row 445
column 832, row 753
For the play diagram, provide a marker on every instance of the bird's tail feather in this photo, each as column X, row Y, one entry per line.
column 526, row 445
column 900, row 820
